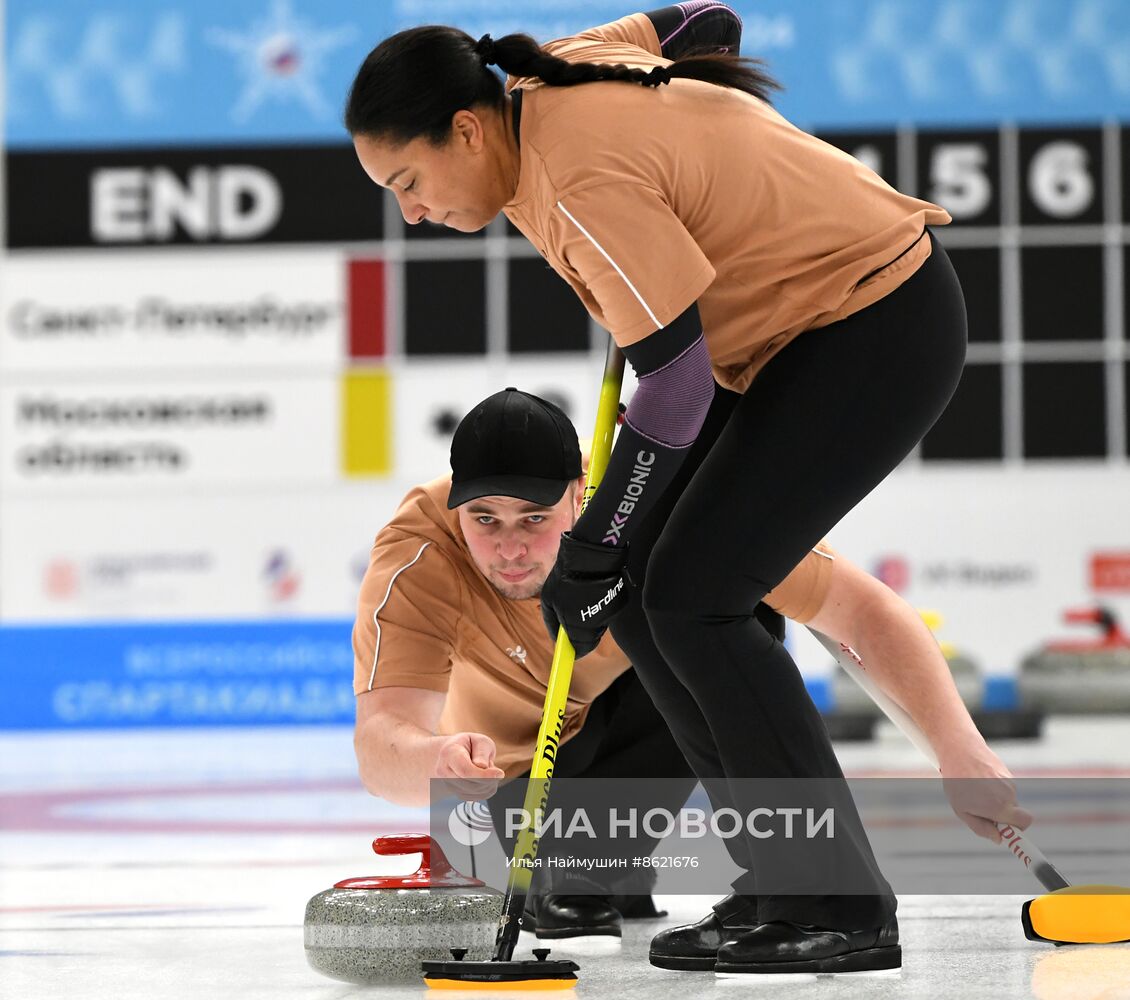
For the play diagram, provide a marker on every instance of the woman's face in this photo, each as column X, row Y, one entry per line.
column 462, row 184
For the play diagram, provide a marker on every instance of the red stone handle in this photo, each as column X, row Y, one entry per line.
column 433, row 864
column 434, row 872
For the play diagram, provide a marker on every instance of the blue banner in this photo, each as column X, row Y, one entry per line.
column 111, row 72
column 180, row 674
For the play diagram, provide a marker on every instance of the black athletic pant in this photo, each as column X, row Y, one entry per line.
column 623, row 737
column 771, row 474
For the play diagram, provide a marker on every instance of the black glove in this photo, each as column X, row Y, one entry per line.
column 585, row 590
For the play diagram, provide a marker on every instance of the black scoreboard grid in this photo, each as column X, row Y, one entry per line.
column 1038, row 240
column 1041, row 218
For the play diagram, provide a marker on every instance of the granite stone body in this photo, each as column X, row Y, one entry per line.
column 379, row 929
column 382, row 935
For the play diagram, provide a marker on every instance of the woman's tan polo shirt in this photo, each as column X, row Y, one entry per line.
column 648, row 200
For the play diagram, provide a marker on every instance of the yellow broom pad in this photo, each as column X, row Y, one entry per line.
column 1083, row 914
column 531, row 984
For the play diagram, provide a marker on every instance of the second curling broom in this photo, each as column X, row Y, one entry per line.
column 1066, row 914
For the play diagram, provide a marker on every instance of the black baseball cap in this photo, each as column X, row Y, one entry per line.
column 513, row 444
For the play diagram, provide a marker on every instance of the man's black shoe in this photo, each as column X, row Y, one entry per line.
column 778, row 947
column 693, row 947
column 555, row 916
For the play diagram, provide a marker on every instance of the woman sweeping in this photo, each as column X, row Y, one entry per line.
column 719, row 245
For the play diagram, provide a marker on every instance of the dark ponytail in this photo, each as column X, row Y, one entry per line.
column 413, row 82
column 520, row 55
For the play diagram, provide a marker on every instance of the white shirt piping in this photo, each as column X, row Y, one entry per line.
column 380, row 608
column 604, row 254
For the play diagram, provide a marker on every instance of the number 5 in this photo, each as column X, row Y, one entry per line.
column 959, row 181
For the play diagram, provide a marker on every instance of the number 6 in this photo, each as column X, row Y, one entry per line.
column 1059, row 181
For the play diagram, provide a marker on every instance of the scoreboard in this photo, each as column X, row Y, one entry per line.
column 1039, row 233
column 1041, row 218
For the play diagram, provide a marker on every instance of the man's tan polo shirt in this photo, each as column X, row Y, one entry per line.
column 427, row 618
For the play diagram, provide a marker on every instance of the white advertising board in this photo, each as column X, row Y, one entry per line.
column 999, row 554
column 94, row 312
column 189, row 557
column 123, row 435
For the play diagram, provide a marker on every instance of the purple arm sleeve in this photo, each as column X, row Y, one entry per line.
column 670, row 403
column 676, row 387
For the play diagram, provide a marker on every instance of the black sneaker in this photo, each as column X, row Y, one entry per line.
column 778, row 947
column 694, row 947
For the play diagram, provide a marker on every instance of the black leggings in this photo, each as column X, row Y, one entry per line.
column 771, row 474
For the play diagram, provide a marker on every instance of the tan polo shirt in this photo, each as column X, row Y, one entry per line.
column 648, row 199
column 427, row 618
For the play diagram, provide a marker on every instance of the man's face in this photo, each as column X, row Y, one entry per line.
column 514, row 542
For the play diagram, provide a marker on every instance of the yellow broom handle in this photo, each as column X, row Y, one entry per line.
column 561, row 670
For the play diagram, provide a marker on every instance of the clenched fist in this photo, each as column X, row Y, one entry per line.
column 466, row 766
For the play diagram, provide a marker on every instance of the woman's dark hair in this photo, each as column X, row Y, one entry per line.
column 414, row 81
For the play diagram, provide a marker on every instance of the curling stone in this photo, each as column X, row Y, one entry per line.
column 1089, row 675
column 380, row 928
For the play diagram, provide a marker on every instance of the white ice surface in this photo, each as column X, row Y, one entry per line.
column 167, row 865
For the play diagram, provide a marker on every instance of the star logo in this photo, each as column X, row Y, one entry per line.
column 281, row 57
